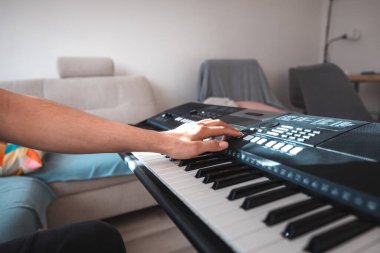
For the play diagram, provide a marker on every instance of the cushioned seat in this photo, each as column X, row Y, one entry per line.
column 67, row 167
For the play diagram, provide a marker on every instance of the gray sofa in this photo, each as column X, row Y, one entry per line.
column 89, row 84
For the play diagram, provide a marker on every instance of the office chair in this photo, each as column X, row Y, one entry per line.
column 324, row 90
column 239, row 80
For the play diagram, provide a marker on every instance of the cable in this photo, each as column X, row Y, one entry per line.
column 325, row 51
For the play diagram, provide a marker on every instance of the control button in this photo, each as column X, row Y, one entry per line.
column 167, row 115
column 262, row 141
column 178, row 119
column 269, row 124
column 278, row 131
column 193, row 112
column 255, row 139
column 311, row 134
column 317, row 132
column 278, row 145
column 306, row 137
column 292, row 138
column 284, row 136
column 282, row 129
column 286, row 126
column 253, row 129
column 248, row 137
column 307, row 130
column 287, row 148
column 299, row 129
column 270, row 144
column 297, row 135
column 273, row 133
column 295, row 150
column 300, row 139
column 186, row 121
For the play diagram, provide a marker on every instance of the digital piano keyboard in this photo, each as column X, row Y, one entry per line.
column 292, row 183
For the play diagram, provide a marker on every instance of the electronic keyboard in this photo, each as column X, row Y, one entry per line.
column 292, row 183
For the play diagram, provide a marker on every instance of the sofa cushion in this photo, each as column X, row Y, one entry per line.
column 23, row 203
column 83, row 93
column 69, row 67
column 32, row 87
column 127, row 99
column 66, row 167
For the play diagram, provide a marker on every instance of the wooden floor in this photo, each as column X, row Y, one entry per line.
column 151, row 230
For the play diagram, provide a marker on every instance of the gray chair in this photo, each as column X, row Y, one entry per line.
column 241, row 80
column 324, row 90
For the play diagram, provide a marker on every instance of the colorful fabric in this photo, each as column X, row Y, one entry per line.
column 17, row 160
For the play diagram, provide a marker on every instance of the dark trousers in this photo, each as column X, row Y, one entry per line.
column 89, row 236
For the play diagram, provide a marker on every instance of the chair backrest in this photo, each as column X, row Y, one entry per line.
column 236, row 79
column 295, row 92
column 325, row 90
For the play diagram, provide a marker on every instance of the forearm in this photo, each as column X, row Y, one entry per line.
column 49, row 126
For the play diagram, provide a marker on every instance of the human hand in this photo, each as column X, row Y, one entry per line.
column 192, row 139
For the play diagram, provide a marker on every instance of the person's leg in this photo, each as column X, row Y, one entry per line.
column 90, row 236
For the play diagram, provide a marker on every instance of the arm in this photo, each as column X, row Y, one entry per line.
column 46, row 125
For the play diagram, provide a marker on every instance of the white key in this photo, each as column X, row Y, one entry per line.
column 372, row 248
column 240, row 216
column 243, row 230
column 358, row 243
column 256, row 216
column 277, row 243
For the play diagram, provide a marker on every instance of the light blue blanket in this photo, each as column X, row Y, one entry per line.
column 23, row 202
column 24, row 199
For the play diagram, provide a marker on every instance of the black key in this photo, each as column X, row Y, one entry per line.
column 206, row 163
column 235, row 179
column 211, row 177
column 198, row 158
column 266, row 197
column 290, row 211
column 311, row 222
column 252, row 189
column 336, row 236
column 203, row 172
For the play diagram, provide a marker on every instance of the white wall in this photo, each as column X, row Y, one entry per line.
column 164, row 40
column 354, row 57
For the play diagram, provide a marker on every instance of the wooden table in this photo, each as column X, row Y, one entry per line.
column 359, row 78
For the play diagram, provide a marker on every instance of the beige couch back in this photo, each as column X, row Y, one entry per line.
column 128, row 99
